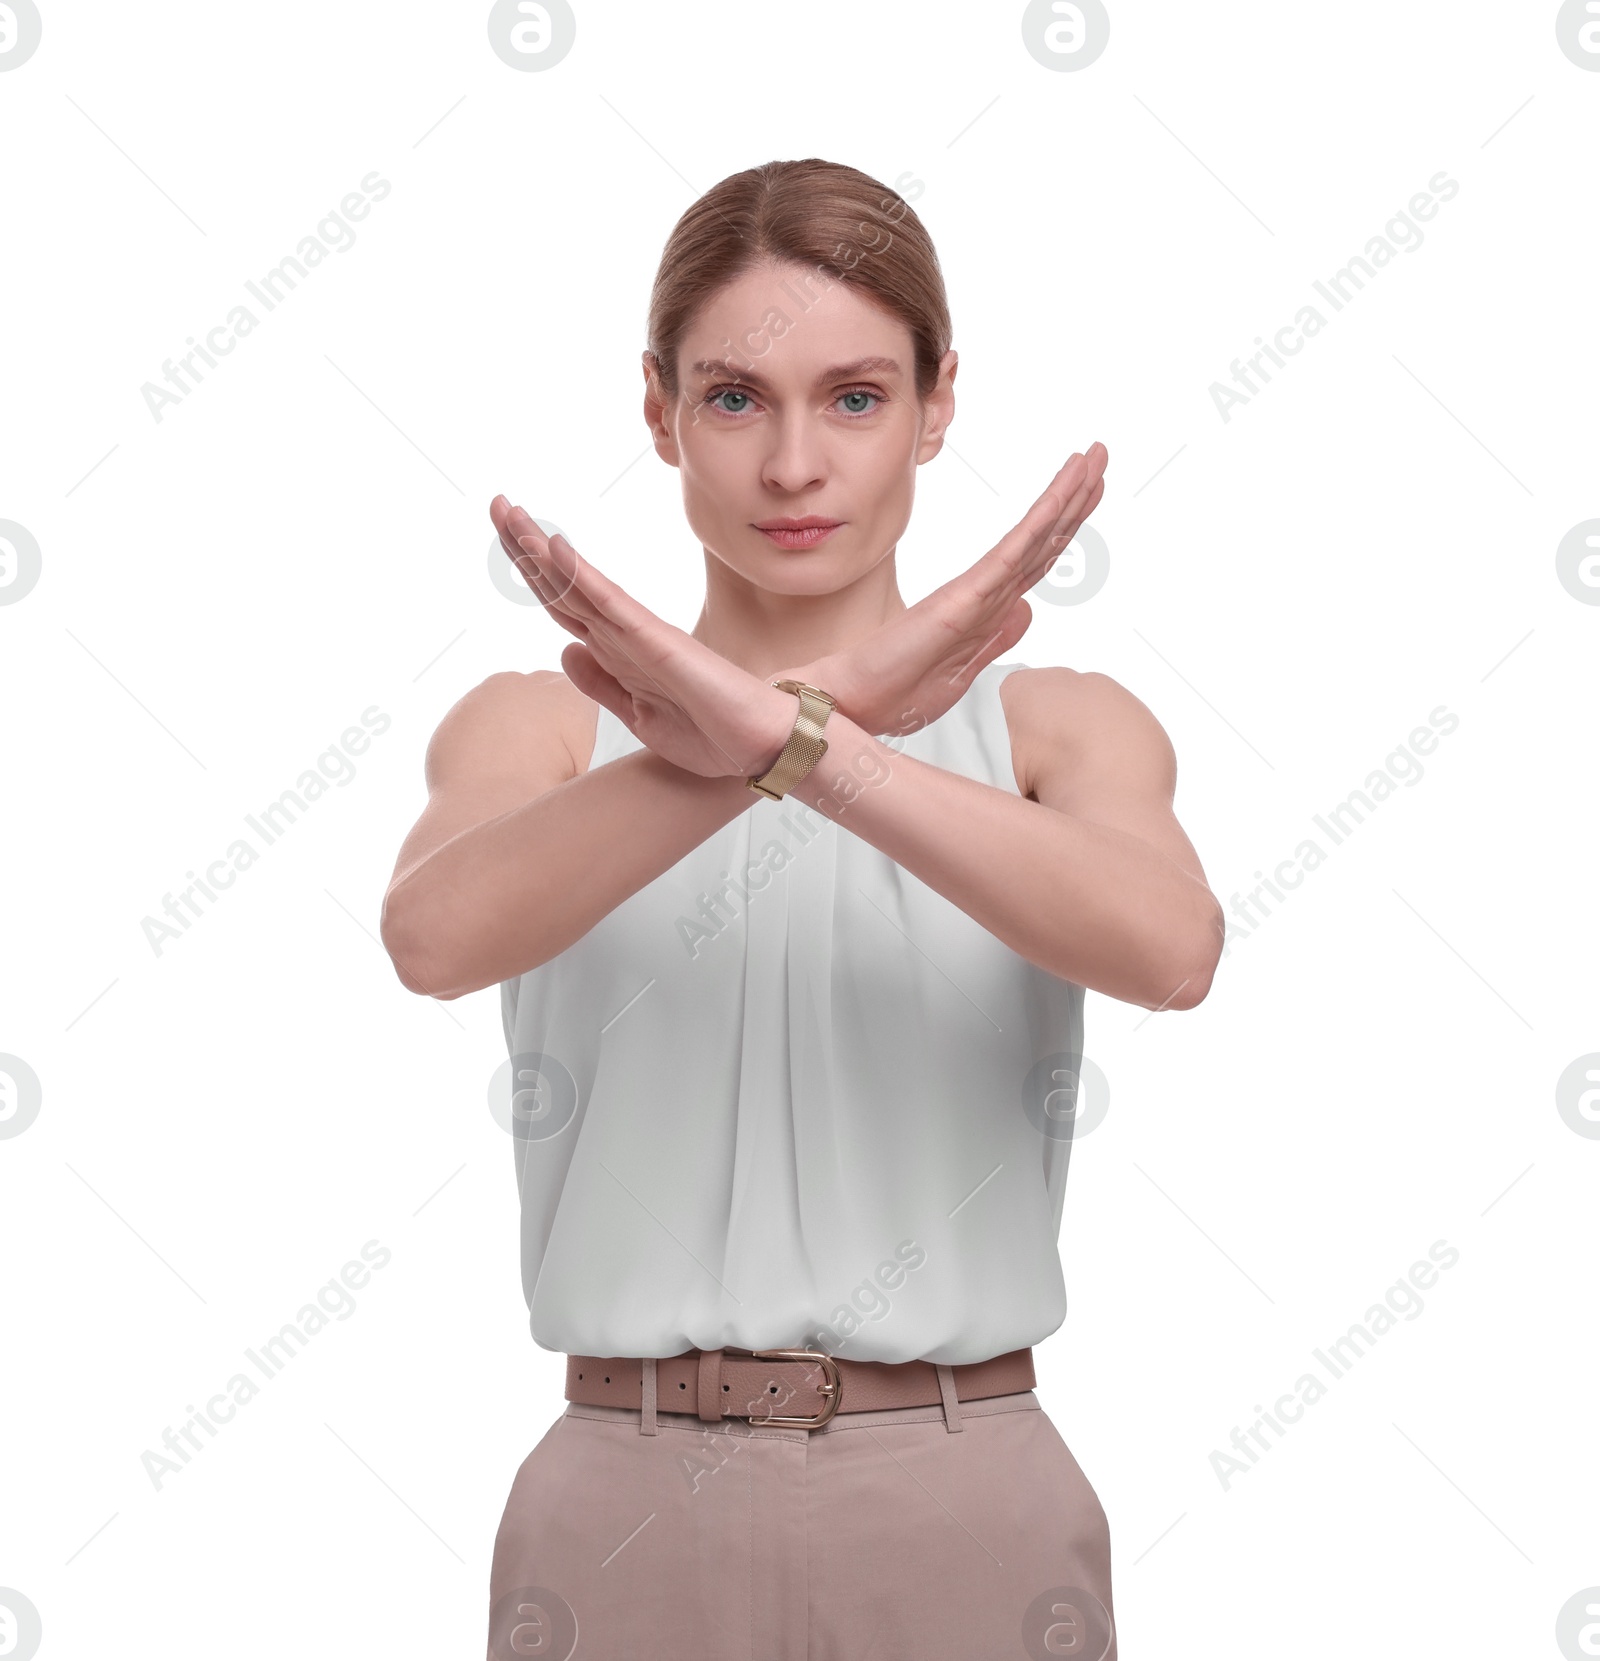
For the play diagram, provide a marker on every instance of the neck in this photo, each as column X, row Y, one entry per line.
column 763, row 632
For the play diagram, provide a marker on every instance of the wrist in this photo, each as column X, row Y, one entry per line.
column 856, row 760
column 783, row 707
column 808, row 710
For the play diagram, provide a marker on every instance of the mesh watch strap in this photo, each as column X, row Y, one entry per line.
column 806, row 746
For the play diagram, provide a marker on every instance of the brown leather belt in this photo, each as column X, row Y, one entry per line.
column 716, row 1384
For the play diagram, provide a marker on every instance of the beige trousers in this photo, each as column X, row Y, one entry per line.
column 955, row 1533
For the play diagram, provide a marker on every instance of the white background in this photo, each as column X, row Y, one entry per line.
column 1292, row 591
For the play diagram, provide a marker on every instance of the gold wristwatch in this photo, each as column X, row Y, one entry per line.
column 806, row 746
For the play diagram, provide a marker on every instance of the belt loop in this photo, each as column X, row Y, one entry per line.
column 947, row 1392
column 647, row 1397
column 709, row 1394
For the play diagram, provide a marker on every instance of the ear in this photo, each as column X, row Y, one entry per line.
column 938, row 409
column 656, row 405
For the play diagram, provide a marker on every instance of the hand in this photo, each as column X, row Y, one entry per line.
column 686, row 702
column 910, row 671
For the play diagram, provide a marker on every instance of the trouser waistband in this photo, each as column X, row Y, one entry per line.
column 796, row 1387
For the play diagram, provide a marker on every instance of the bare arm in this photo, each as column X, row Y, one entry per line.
column 520, row 852
column 1093, row 881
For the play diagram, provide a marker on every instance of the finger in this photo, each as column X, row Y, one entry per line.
column 508, row 520
column 1011, row 629
column 1074, row 511
column 1046, row 510
column 594, row 682
column 591, row 595
column 528, row 563
column 620, row 630
column 577, row 581
column 996, row 579
column 1017, row 622
column 566, row 580
column 561, row 581
column 1002, row 568
column 521, row 525
column 1090, row 505
column 1060, row 540
column 559, row 613
column 555, row 579
column 1074, row 514
column 1074, row 497
column 500, row 511
column 532, row 556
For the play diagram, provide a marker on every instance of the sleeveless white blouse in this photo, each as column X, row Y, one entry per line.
column 788, row 1094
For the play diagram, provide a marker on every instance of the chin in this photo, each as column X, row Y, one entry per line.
column 787, row 573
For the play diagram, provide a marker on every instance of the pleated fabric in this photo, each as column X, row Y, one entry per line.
column 788, row 1094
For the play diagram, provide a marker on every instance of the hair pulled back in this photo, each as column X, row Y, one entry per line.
column 819, row 214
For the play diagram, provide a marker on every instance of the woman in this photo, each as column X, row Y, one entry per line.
column 793, row 917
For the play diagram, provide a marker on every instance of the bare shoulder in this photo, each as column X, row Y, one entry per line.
column 514, row 723
column 507, row 741
column 1074, row 731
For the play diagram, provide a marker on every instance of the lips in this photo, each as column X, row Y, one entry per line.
column 798, row 533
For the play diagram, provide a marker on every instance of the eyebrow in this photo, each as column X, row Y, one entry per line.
column 838, row 372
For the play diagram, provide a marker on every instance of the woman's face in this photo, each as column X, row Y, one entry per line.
column 798, row 400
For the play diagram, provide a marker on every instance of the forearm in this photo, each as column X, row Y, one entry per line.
column 507, row 895
column 1086, row 902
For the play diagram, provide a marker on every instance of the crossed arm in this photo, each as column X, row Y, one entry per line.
column 1086, row 872
column 1092, row 879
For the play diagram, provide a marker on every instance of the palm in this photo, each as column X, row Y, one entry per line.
column 687, row 703
column 662, row 721
column 694, row 708
column 910, row 671
column 661, row 725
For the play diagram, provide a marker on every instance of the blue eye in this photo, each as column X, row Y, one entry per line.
column 717, row 392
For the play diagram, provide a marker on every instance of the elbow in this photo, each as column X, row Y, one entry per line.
column 1186, row 980
column 1189, row 989
column 411, row 949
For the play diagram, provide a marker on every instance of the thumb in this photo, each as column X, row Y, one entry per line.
column 585, row 673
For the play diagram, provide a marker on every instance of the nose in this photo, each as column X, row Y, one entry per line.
column 796, row 461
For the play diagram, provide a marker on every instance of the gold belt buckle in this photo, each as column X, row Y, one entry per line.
column 831, row 1389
